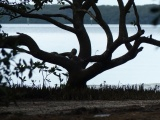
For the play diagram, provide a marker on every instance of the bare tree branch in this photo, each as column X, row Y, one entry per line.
column 12, row 42
column 115, row 45
column 128, row 5
column 122, row 22
column 85, row 6
column 137, row 17
column 123, row 34
column 67, row 6
column 69, row 2
column 150, row 41
column 100, row 67
column 103, row 24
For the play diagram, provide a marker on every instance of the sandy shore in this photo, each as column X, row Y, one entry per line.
column 67, row 107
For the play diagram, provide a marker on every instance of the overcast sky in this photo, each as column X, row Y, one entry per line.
column 138, row 2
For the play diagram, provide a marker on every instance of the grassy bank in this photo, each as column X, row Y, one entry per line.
column 108, row 92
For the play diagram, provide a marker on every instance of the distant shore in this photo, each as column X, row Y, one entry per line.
column 111, row 16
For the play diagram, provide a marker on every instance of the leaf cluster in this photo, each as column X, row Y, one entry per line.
column 38, row 4
column 22, row 7
column 6, row 59
column 21, row 66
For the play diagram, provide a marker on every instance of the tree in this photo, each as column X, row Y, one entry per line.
column 76, row 65
column 157, row 18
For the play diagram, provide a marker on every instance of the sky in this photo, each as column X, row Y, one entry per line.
column 138, row 2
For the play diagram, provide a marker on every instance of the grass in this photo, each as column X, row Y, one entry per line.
column 108, row 92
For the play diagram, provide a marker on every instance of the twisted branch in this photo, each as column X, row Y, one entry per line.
column 103, row 24
column 12, row 42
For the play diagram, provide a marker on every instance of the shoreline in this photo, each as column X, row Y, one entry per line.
column 82, row 110
column 56, row 107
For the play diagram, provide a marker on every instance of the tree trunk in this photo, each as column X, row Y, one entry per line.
column 76, row 80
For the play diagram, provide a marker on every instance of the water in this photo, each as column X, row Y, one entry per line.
column 145, row 68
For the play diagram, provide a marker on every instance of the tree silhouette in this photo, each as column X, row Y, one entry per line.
column 156, row 10
column 76, row 65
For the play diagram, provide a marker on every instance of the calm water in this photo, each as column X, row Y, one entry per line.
column 143, row 69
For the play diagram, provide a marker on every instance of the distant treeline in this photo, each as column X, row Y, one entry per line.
column 110, row 15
